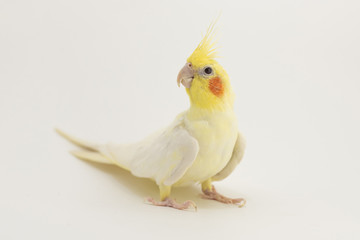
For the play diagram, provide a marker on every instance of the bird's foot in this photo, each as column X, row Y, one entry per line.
column 169, row 202
column 213, row 195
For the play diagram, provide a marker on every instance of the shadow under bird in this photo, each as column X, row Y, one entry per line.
column 201, row 145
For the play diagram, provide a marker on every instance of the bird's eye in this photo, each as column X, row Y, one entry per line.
column 208, row 70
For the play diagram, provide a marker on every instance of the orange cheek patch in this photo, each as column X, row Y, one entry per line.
column 216, row 86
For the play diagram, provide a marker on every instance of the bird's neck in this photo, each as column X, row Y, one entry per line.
column 206, row 101
column 196, row 112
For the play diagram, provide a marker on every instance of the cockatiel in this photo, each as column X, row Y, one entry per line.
column 202, row 144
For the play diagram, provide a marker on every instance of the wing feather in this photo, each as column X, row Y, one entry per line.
column 237, row 155
column 164, row 156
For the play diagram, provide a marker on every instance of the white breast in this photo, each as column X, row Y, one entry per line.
column 216, row 134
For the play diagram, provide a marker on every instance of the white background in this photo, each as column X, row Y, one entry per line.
column 106, row 70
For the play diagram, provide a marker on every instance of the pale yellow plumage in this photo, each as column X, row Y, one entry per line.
column 201, row 145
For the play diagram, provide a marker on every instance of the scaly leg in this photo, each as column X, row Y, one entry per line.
column 166, row 201
column 210, row 193
column 169, row 202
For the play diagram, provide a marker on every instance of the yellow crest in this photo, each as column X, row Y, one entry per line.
column 205, row 52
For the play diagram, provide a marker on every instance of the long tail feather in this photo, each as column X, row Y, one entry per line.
column 78, row 142
column 91, row 156
column 90, row 152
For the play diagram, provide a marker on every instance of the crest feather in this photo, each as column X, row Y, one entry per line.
column 206, row 50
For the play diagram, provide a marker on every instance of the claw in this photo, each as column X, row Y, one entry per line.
column 213, row 195
column 169, row 202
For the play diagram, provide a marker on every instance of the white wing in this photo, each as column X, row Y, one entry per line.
column 237, row 155
column 164, row 156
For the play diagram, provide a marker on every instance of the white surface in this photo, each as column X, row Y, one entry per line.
column 106, row 70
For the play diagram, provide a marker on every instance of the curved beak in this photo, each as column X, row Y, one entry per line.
column 186, row 76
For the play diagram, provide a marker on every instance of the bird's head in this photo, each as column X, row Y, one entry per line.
column 205, row 80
